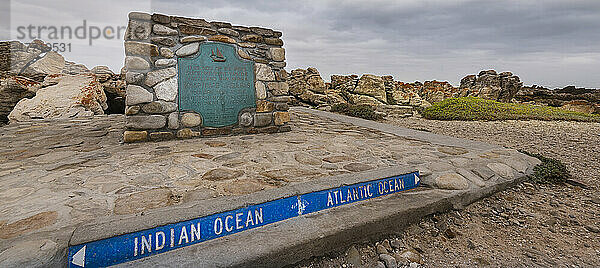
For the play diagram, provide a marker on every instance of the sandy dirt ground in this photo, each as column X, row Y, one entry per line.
column 530, row 225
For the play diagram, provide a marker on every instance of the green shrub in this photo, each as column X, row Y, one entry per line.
column 363, row 111
column 471, row 108
column 550, row 171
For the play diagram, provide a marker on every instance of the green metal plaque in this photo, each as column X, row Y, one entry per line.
column 216, row 83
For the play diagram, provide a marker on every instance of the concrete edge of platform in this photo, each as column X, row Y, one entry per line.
column 108, row 227
column 291, row 241
column 400, row 131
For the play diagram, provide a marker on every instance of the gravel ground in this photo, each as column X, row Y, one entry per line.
column 529, row 225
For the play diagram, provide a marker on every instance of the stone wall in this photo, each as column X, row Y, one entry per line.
column 153, row 45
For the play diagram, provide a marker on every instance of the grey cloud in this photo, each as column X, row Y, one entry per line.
column 546, row 42
column 430, row 39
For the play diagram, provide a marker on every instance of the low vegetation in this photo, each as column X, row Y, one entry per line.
column 471, row 109
column 362, row 111
column 550, row 171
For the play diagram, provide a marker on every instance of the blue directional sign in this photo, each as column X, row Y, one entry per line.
column 133, row 246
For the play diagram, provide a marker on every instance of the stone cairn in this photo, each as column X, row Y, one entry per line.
column 153, row 43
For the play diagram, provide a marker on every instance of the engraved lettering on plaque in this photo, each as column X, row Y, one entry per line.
column 217, row 84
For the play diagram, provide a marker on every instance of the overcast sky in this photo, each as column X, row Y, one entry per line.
column 545, row 42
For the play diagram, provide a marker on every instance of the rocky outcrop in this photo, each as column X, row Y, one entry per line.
column 389, row 95
column 24, row 69
column 401, row 93
column 382, row 91
column 491, row 85
column 570, row 98
column 308, row 86
column 114, row 87
column 582, row 106
column 372, row 88
column 65, row 96
column 436, row 91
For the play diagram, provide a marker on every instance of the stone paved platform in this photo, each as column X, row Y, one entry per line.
column 70, row 182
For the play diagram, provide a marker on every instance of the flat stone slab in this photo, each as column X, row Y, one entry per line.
column 72, row 182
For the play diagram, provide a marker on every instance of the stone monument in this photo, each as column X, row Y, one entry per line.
column 187, row 78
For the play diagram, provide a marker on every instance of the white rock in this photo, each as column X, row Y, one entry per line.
column 137, row 95
column 191, row 120
column 166, row 90
column 264, row 72
column 163, row 30
column 173, row 120
column 155, row 77
column 165, row 62
column 136, row 63
column 72, row 95
column 51, row 63
column 193, row 38
column 188, row 50
column 261, row 90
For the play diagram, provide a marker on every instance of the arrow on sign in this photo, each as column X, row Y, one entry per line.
column 79, row 257
column 417, row 179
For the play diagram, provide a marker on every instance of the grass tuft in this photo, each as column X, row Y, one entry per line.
column 550, row 171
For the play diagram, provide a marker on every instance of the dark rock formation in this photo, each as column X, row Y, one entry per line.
column 12, row 90
column 491, row 85
column 114, row 87
column 570, row 98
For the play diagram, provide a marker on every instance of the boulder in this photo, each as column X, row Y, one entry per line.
column 314, row 81
column 436, row 91
column 4, row 59
column 68, row 96
column 491, row 85
column 581, row 106
column 51, row 63
column 15, row 56
column 363, row 100
column 571, row 97
column 403, row 94
column 307, row 86
column 103, row 73
column 373, row 86
column 74, row 68
column 12, row 90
